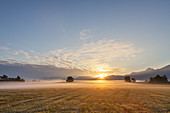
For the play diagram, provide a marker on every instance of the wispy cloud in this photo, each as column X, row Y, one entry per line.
column 11, row 61
column 22, row 52
column 102, row 54
column 85, row 34
column 98, row 54
column 4, row 48
column 114, row 70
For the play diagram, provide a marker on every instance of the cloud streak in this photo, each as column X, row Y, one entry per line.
column 98, row 54
column 85, row 34
column 93, row 56
column 22, row 52
column 4, row 48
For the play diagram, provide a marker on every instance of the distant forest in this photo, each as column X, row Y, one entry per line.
column 157, row 79
column 6, row 78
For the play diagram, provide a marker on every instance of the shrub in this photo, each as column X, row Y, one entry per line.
column 70, row 79
column 127, row 79
column 133, row 80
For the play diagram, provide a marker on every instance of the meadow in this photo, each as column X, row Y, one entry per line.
column 87, row 97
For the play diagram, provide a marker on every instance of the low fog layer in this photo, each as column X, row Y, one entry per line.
column 63, row 84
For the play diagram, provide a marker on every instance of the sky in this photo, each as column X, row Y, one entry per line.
column 117, row 36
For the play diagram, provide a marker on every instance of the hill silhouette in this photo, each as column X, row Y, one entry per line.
column 32, row 71
column 150, row 72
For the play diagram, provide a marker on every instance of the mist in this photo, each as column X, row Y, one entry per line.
column 59, row 83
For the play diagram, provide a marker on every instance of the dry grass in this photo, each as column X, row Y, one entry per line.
column 99, row 99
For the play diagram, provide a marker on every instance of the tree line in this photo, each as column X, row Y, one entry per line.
column 159, row 79
column 6, row 78
column 156, row 79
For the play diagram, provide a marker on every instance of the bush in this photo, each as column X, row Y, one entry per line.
column 70, row 79
column 133, row 80
column 127, row 79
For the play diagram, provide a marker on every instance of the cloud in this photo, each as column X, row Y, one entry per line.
column 93, row 56
column 25, row 54
column 96, row 55
column 4, row 48
column 11, row 61
column 114, row 70
column 85, row 34
column 2, row 61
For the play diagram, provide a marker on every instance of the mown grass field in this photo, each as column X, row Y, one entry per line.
column 99, row 99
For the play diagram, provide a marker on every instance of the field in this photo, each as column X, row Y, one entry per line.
column 87, row 97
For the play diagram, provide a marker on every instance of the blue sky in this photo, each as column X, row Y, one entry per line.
column 116, row 35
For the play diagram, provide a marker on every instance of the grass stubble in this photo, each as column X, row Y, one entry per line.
column 100, row 98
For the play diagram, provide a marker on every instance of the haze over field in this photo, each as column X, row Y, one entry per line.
column 88, row 96
column 63, row 84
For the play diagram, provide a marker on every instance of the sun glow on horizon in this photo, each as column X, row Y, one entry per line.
column 102, row 75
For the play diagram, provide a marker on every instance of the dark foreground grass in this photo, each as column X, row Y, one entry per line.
column 108, row 99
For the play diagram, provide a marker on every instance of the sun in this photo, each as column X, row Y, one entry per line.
column 102, row 76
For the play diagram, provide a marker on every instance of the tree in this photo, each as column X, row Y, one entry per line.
column 4, row 77
column 18, row 78
column 70, row 79
column 159, row 79
column 127, row 79
column 164, row 78
column 133, row 80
